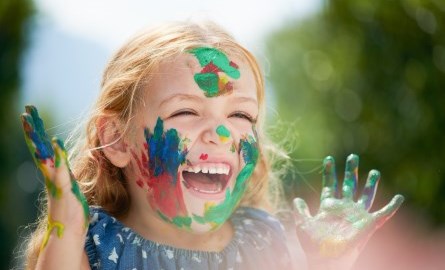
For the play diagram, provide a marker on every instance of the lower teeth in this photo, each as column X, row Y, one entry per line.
column 217, row 190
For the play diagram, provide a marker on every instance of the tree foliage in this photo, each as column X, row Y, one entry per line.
column 13, row 18
column 367, row 77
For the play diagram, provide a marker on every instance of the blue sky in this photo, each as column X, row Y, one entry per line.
column 72, row 40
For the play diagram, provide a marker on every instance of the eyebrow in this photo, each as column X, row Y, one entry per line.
column 181, row 97
column 195, row 98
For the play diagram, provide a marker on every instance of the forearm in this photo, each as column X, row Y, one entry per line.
column 66, row 252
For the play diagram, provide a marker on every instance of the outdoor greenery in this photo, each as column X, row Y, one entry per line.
column 367, row 77
column 13, row 24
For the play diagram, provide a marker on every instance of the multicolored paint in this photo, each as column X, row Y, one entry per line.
column 218, row 214
column 61, row 155
column 213, row 78
column 351, row 176
column 158, row 164
column 159, row 173
column 49, row 154
column 329, row 180
column 223, row 133
column 342, row 223
column 40, row 147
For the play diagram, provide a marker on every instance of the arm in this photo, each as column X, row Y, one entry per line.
column 335, row 236
column 68, row 214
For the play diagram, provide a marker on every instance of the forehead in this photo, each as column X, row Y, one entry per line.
column 177, row 76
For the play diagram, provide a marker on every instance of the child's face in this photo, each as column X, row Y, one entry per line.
column 195, row 146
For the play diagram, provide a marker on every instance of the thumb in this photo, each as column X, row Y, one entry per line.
column 301, row 211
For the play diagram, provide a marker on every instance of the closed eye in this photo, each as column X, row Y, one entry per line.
column 243, row 115
column 183, row 113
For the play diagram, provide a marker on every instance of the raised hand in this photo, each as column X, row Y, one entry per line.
column 67, row 206
column 342, row 225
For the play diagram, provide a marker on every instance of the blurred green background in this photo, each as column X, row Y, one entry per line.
column 364, row 77
column 368, row 77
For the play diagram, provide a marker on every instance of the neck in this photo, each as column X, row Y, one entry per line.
column 147, row 223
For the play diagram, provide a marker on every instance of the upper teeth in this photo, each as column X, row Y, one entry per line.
column 211, row 169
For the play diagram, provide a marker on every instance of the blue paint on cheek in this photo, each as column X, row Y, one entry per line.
column 164, row 153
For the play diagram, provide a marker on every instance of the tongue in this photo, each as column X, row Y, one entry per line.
column 203, row 182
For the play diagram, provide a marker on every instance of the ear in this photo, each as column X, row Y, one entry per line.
column 115, row 148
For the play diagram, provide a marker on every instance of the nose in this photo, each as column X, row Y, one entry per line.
column 218, row 134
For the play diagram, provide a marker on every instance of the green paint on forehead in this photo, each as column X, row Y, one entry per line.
column 213, row 78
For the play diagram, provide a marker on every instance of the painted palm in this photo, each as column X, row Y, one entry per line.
column 342, row 223
column 50, row 157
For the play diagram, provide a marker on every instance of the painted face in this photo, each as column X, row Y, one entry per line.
column 197, row 147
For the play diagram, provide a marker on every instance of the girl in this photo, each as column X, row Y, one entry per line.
column 173, row 171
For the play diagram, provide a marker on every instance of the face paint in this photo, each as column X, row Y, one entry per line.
column 233, row 147
column 203, row 156
column 223, row 133
column 218, row 214
column 159, row 172
column 213, row 78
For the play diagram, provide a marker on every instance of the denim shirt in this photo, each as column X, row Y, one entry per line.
column 259, row 242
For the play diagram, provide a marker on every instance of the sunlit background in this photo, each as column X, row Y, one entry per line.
column 343, row 76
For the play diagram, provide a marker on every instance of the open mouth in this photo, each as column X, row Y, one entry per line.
column 206, row 180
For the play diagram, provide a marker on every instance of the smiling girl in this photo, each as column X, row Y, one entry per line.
column 173, row 171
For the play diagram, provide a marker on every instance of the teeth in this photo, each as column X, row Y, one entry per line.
column 209, row 169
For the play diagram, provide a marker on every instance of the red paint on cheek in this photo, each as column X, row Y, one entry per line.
column 203, row 156
column 140, row 183
column 166, row 196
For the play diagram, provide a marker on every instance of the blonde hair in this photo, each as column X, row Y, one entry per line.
column 122, row 90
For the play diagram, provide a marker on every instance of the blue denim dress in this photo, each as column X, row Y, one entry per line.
column 258, row 243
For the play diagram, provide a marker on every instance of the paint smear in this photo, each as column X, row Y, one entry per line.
column 61, row 155
column 217, row 68
column 218, row 214
column 158, row 165
column 203, row 156
column 223, row 133
column 51, row 225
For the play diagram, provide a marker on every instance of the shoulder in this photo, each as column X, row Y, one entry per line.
column 261, row 236
column 105, row 233
column 248, row 217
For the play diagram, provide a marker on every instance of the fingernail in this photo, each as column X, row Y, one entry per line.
column 375, row 176
column 352, row 162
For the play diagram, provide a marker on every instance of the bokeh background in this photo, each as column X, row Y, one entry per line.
column 343, row 76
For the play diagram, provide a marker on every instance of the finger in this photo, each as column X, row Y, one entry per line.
column 350, row 180
column 41, row 154
column 330, row 182
column 368, row 195
column 301, row 210
column 64, row 172
column 39, row 136
column 388, row 210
